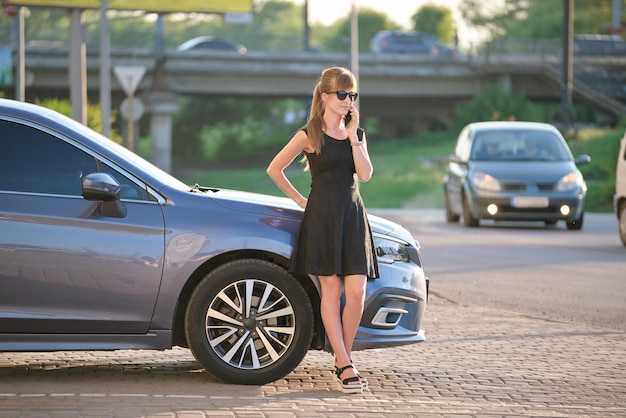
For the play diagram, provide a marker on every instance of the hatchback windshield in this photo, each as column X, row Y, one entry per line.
column 518, row 145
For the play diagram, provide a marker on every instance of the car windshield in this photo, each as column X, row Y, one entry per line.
column 518, row 145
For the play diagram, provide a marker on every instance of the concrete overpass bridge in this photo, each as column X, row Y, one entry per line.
column 421, row 91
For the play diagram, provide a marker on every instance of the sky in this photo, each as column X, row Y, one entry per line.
column 400, row 11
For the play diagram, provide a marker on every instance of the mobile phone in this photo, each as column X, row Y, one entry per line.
column 348, row 120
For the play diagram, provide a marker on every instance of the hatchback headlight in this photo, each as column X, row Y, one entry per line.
column 389, row 250
column 485, row 181
column 571, row 181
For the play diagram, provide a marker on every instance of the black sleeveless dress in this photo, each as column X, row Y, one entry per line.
column 335, row 235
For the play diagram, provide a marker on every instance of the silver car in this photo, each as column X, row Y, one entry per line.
column 101, row 250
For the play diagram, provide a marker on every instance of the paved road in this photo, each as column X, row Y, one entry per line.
column 550, row 272
column 477, row 362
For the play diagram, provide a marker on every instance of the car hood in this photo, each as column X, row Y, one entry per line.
column 531, row 171
column 272, row 205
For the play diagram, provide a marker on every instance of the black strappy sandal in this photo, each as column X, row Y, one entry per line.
column 349, row 384
column 364, row 381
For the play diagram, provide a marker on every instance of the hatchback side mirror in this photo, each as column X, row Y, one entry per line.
column 453, row 158
column 582, row 159
column 104, row 187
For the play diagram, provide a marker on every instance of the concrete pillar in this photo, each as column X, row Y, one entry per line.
column 162, row 106
column 505, row 82
column 78, row 68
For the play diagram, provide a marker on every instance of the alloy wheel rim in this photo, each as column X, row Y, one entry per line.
column 250, row 324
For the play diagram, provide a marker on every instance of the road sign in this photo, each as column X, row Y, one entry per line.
column 132, row 108
column 129, row 77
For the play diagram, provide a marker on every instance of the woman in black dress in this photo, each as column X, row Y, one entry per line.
column 335, row 241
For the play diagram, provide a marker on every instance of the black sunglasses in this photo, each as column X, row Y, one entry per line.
column 342, row 94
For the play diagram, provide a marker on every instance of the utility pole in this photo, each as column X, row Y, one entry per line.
column 567, row 70
column 78, row 69
column 307, row 29
column 616, row 25
column 105, row 70
column 20, row 73
column 354, row 41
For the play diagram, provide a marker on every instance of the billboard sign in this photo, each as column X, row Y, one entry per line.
column 6, row 67
column 161, row 6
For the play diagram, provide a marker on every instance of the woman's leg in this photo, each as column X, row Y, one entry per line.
column 353, row 312
column 330, row 308
column 353, row 309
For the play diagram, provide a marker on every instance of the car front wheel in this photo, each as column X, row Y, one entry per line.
column 576, row 224
column 249, row 322
column 468, row 218
column 451, row 217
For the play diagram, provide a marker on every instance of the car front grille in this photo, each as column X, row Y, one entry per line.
column 510, row 209
column 523, row 187
column 514, row 187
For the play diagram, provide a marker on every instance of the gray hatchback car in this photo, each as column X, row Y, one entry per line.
column 514, row 171
column 101, row 250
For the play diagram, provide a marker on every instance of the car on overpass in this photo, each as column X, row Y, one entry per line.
column 514, row 171
column 411, row 43
column 211, row 43
column 600, row 45
column 101, row 250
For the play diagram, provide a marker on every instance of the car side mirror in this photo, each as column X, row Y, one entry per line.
column 582, row 160
column 453, row 158
column 104, row 187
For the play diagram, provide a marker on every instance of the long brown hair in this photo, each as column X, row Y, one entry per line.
column 333, row 78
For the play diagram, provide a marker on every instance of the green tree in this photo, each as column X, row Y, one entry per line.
column 436, row 20
column 94, row 116
column 337, row 36
column 126, row 29
column 225, row 128
column 277, row 25
column 40, row 24
column 495, row 103
column 536, row 18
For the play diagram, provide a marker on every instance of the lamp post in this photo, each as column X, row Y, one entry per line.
column 354, row 41
column 105, row 70
column 307, row 30
column 616, row 25
column 567, row 70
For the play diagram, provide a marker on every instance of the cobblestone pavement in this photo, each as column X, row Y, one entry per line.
column 476, row 363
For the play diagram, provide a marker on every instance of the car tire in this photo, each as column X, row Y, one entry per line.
column 249, row 322
column 576, row 224
column 468, row 219
column 451, row 217
column 622, row 222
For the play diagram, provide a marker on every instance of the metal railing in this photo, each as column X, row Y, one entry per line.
column 605, row 74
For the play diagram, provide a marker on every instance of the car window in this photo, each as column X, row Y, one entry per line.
column 128, row 189
column 34, row 161
column 407, row 39
column 216, row 44
column 430, row 39
column 518, row 145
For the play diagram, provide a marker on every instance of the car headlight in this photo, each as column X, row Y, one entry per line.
column 485, row 181
column 571, row 181
column 389, row 250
